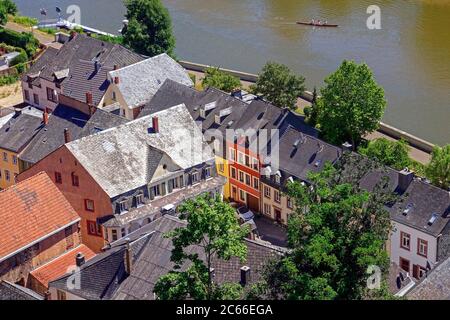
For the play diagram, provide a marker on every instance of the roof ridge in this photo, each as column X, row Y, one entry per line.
column 140, row 62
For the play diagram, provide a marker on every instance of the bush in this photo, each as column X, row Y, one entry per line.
column 25, row 21
column 21, row 58
column 48, row 30
column 24, row 40
column 21, row 67
column 9, row 6
column 7, row 80
column 216, row 78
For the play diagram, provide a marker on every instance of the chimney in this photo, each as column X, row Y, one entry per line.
column 127, row 258
column 155, row 124
column 47, row 295
column 405, row 177
column 79, row 259
column 89, row 98
column 245, row 275
column 347, row 147
column 45, row 117
column 66, row 135
column 116, row 80
column 116, row 67
column 17, row 111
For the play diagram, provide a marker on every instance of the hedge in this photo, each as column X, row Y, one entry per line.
column 24, row 40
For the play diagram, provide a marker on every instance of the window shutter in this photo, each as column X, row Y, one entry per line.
column 190, row 179
column 182, row 181
column 163, row 189
column 170, row 186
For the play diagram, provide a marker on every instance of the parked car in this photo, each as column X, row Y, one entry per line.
column 245, row 213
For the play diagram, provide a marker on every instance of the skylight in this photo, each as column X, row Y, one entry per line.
column 433, row 218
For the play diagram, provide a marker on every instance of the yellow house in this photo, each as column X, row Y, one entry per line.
column 223, row 170
column 15, row 134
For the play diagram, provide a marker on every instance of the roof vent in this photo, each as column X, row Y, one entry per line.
column 297, row 143
column 408, row 209
column 433, row 218
column 318, row 163
column 79, row 259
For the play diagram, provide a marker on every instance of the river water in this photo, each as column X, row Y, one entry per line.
column 410, row 55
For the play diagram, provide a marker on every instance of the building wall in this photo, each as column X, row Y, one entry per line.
column 222, row 167
column 62, row 161
column 77, row 105
column 282, row 206
column 7, row 165
column 18, row 267
column 42, row 93
column 397, row 252
column 69, row 296
column 109, row 99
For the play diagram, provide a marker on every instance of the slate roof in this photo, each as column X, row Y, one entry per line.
column 104, row 276
column 119, row 159
column 425, row 200
column 88, row 61
column 14, row 292
column 58, row 267
column 435, row 286
column 310, row 155
column 139, row 82
column 20, row 129
column 79, row 124
column 31, row 211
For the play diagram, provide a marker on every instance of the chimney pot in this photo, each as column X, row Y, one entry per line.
column 347, row 147
column 89, row 98
column 155, row 124
column 116, row 67
column 17, row 111
column 128, row 258
column 45, row 117
column 116, row 80
column 245, row 275
column 79, row 259
column 66, row 135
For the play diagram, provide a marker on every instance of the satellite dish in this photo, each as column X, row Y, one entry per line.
column 58, row 9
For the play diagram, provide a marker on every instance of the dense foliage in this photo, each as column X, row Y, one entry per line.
column 24, row 40
column 279, row 85
column 218, row 79
column 213, row 227
column 337, row 231
column 389, row 153
column 352, row 104
column 149, row 30
column 438, row 171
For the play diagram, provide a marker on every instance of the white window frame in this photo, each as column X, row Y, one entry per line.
column 139, row 200
column 232, row 154
column 277, row 196
column 267, row 192
column 242, row 192
column 123, row 206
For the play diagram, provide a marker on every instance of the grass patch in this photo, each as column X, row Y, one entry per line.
column 48, row 30
column 25, row 21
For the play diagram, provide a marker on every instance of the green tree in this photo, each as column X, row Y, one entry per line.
column 336, row 232
column 218, row 79
column 149, row 30
column 3, row 15
column 438, row 171
column 212, row 225
column 389, row 153
column 352, row 104
column 279, row 85
column 312, row 112
column 9, row 6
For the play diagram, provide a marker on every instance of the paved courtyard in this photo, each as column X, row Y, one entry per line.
column 271, row 231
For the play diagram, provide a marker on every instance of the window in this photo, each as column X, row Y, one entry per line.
column 7, row 175
column 277, row 196
column 248, row 180
column 156, row 190
column 123, row 206
column 5, row 157
column 58, row 177
column 404, row 264
column 14, row 159
column 241, row 176
column 61, row 295
column 221, row 167
column 256, row 183
column 405, row 241
column 194, row 177
column 255, row 164
column 51, row 96
column 277, row 178
column 289, row 203
column 207, row 172
column 242, row 195
column 36, row 98
column 232, row 155
column 75, row 180
column 114, row 236
column 267, row 192
column 94, row 229
column 267, row 209
column 247, row 160
column 140, row 200
column 27, row 95
column 422, row 247
column 233, row 173
column 123, row 232
column 89, row 205
column 240, row 158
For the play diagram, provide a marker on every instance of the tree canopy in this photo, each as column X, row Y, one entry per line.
column 279, row 85
column 438, row 171
column 352, row 104
column 390, row 153
column 218, row 79
column 212, row 225
column 149, row 30
column 336, row 233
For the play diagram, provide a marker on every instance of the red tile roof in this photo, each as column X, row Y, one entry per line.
column 61, row 265
column 31, row 211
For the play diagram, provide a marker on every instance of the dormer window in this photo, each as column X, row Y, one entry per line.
column 207, row 172
column 278, row 177
column 123, row 206
column 194, row 177
column 139, row 200
column 202, row 113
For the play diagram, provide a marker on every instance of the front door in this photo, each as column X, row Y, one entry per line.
column 278, row 215
column 252, row 203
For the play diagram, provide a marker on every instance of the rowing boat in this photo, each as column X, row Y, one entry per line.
column 318, row 24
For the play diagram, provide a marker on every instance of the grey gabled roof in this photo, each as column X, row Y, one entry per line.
column 11, row 291
column 82, row 65
column 151, row 252
column 51, row 137
column 139, row 82
column 119, row 159
column 20, row 129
